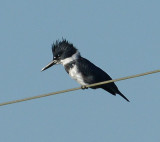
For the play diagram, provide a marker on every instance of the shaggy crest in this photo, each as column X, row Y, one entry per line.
column 60, row 47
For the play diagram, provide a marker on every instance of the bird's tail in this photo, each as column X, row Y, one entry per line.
column 114, row 91
column 122, row 96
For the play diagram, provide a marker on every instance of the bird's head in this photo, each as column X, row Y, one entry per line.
column 62, row 53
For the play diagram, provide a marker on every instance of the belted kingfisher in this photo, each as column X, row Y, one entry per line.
column 79, row 68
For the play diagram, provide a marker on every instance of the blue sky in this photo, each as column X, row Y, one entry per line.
column 120, row 36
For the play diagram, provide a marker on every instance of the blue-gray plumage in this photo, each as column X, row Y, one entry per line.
column 79, row 68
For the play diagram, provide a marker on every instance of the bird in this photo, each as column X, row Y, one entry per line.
column 79, row 68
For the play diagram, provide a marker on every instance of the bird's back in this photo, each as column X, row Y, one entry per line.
column 93, row 74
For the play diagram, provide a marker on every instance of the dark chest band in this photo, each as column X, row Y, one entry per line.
column 69, row 66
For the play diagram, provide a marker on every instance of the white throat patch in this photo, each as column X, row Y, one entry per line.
column 70, row 59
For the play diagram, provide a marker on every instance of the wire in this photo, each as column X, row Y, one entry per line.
column 78, row 88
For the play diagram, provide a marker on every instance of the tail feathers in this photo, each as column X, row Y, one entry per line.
column 123, row 96
column 114, row 92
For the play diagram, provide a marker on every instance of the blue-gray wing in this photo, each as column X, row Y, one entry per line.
column 91, row 73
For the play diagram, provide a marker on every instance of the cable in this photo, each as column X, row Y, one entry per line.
column 78, row 88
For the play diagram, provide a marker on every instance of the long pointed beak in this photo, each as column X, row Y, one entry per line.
column 53, row 62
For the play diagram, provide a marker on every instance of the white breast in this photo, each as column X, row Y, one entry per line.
column 76, row 75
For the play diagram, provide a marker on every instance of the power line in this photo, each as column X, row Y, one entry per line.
column 78, row 88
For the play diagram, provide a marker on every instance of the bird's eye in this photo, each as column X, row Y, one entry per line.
column 58, row 55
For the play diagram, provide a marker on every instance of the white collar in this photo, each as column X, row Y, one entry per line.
column 70, row 59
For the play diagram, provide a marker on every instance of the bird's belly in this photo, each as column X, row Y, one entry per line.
column 76, row 75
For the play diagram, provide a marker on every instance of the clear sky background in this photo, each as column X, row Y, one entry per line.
column 120, row 36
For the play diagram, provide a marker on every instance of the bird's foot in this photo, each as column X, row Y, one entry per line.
column 84, row 87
